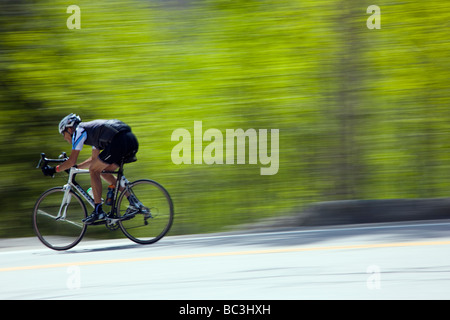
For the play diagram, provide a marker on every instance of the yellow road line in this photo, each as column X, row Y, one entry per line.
column 233, row 253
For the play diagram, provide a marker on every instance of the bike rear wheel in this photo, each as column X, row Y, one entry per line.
column 54, row 232
column 152, row 222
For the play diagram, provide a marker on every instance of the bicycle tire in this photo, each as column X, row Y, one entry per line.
column 59, row 234
column 156, row 198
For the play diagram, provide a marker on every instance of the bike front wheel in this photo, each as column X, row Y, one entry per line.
column 154, row 216
column 54, row 231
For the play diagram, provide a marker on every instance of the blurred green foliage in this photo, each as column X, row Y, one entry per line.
column 362, row 114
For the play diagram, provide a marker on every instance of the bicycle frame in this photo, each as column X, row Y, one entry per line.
column 73, row 185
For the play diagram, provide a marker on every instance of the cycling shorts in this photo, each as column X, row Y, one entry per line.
column 124, row 145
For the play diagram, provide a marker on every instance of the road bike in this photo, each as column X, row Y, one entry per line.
column 59, row 211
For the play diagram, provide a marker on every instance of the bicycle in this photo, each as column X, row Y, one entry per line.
column 58, row 212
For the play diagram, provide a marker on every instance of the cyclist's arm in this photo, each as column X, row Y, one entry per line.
column 86, row 164
column 70, row 162
column 78, row 139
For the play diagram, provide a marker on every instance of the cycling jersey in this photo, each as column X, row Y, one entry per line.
column 78, row 138
column 97, row 133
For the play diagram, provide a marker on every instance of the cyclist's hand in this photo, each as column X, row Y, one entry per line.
column 48, row 171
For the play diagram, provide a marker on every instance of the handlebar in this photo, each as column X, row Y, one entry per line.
column 44, row 161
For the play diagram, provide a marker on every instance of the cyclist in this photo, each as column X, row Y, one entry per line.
column 111, row 141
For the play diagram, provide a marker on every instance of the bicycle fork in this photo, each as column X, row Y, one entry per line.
column 65, row 203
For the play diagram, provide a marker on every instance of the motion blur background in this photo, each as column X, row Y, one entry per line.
column 362, row 114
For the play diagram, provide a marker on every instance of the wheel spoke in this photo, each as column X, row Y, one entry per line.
column 78, row 224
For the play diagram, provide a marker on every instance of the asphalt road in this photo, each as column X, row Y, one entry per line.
column 408, row 260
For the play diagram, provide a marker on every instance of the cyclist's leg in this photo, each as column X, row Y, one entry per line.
column 110, row 178
column 95, row 170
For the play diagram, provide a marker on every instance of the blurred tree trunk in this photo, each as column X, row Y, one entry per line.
column 348, row 163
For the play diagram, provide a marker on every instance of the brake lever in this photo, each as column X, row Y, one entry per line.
column 40, row 160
